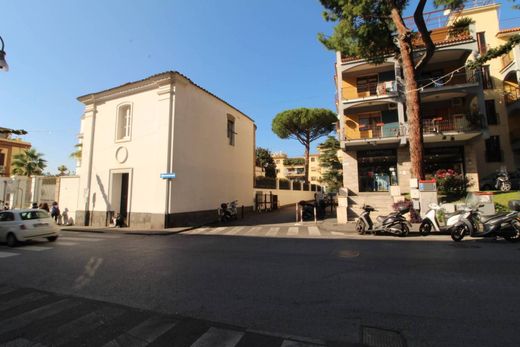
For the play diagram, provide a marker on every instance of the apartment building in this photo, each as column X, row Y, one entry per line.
column 9, row 147
column 470, row 118
column 294, row 168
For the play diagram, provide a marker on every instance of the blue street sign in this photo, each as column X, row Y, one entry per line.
column 168, row 175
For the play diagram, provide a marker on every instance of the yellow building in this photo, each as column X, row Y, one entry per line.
column 471, row 119
column 294, row 168
column 8, row 148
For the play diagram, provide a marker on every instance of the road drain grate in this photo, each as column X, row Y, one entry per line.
column 375, row 337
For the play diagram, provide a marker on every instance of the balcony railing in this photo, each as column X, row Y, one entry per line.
column 452, row 123
column 450, row 80
column 374, row 131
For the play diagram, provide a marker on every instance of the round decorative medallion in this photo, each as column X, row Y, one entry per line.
column 121, row 154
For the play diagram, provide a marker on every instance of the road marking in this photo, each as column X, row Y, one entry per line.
column 217, row 230
column 292, row 231
column 314, row 231
column 254, row 230
column 219, row 337
column 35, row 248
column 196, row 231
column 292, row 343
column 7, row 254
column 80, row 239
column 144, row 333
column 24, row 299
column 65, row 243
column 272, row 231
column 234, row 231
column 102, row 236
column 337, row 233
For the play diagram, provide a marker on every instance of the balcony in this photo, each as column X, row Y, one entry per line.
column 438, row 80
column 457, row 127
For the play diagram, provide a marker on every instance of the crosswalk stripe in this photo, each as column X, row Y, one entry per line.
column 79, row 239
column 234, row 231
column 254, row 230
column 219, row 337
column 7, row 305
column 292, row 231
column 101, row 236
column 292, row 343
column 144, row 333
column 314, row 231
column 19, row 342
column 217, row 230
column 35, row 248
column 337, row 233
column 66, row 243
column 196, row 231
column 272, row 231
column 7, row 254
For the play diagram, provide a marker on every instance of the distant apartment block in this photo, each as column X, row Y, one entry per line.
column 9, row 147
column 294, row 168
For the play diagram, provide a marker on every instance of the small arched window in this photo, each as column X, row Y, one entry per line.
column 124, row 122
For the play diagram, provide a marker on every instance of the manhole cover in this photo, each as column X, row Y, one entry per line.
column 375, row 337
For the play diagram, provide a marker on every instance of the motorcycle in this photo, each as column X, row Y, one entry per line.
column 227, row 212
column 394, row 223
column 431, row 223
column 503, row 183
column 503, row 224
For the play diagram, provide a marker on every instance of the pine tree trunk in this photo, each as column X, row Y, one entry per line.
column 412, row 96
column 307, row 150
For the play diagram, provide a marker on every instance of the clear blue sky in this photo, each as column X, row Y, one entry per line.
column 261, row 56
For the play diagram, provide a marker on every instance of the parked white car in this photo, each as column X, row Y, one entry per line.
column 27, row 224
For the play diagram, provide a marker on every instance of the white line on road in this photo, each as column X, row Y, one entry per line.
column 99, row 235
column 337, row 233
column 7, row 254
column 272, row 231
column 234, row 231
column 88, row 239
column 196, row 231
column 292, row 231
column 218, row 230
column 143, row 334
column 65, row 243
column 35, row 248
column 253, row 230
column 314, row 231
column 219, row 337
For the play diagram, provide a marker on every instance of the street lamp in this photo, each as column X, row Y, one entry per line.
column 3, row 63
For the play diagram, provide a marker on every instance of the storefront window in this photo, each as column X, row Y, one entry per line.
column 377, row 170
column 443, row 158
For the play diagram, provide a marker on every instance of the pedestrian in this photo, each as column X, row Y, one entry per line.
column 6, row 206
column 34, row 205
column 66, row 216
column 45, row 206
column 55, row 211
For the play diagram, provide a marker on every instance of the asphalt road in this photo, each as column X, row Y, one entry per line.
column 377, row 290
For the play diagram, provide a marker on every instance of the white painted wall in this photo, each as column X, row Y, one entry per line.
column 210, row 170
column 68, row 195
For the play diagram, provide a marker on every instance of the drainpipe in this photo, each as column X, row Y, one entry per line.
column 170, row 89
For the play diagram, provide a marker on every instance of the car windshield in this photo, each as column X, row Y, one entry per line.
column 28, row 215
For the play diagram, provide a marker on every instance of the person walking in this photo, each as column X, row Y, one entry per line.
column 55, row 211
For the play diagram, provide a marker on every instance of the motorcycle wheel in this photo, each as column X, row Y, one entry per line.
column 425, row 228
column 360, row 227
column 404, row 230
column 516, row 237
column 458, row 232
column 505, row 186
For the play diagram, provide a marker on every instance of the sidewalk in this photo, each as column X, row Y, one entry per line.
column 129, row 230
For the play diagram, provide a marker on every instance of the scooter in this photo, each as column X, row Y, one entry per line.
column 503, row 183
column 503, row 224
column 394, row 223
column 431, row 223
column 227, row 212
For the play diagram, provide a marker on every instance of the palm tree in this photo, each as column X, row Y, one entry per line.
column 62, row 169
column 28, row 163
column 78, row 152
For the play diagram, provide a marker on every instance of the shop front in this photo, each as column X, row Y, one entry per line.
column 377, row 170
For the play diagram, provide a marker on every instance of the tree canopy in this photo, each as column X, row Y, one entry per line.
column 28, row 163
column 333, row 173
column 265, row 160
column 305, row 125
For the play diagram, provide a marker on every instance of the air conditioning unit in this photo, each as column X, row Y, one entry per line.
column 457, row 102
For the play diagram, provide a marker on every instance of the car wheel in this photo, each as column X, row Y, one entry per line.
column 11, row 240
column 360, row 227
column 425, row 228
column 52, row 238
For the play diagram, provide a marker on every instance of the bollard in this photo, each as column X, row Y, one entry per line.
column 315, row 216
column 301, row 214
column 296, row 208
column 242, row 211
